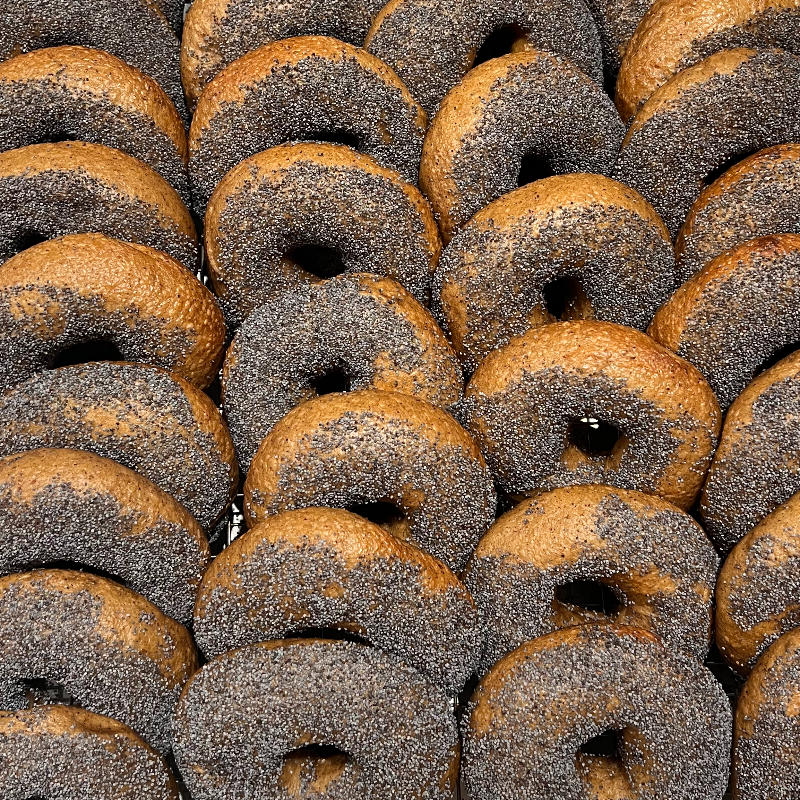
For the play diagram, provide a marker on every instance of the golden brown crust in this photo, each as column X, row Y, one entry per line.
column 133, row 282
column 130, row 176
column 104, row 76
column 667, row 35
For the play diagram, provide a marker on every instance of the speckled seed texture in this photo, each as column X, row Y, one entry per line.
column 433, row 43
column 616, row 22
column 88, row 288
column 757, row 197
column 525, row 403
column 766, row 754
column 601, row 238
column 135, row 31
column 308, row 87
column 654, row 557
column 755, row 468
column 143, row 417
column 91, row 96
column 533, row 104
column 734, row 315
column 67, row 753
column 759, row 586
column 74, row 506
column 366, row 447
column 243, row 723
column 321, row 195
column 530, row 715
column 217, row 32
column 718, row 110
column 368, row 330
column 110, row 649
column 51, row 190
column 676, row 34
column 326, row 568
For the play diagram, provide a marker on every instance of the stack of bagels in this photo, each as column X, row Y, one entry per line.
column 484, row 313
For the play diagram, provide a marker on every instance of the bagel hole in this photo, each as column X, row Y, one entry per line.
column 500, row 42
column 381, row 512
column 54, row 137
column 320, row 763
column 720, row 170
column 44, row 692
column 591, row 595
column 778, row 355
column 593, row 437
column 606, row 744
column 72, row 566
column 334, row 136
column 28, row 239
column 86, row 352
column 534, row 167
column 323, row 262
column 329, row 634
column 331, row 381
column 562, row 297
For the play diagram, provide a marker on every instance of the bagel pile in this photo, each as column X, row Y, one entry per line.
column 399, row 401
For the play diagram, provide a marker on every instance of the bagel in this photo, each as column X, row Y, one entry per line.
column 757, row 588
column 261, row 722
column 716, row 320
column 352, row 332
column 63, row 629
column 387, row 456
column 52, row 190
column 767, row 729
column 755, row 468
column 706, row 116
column 593, row 402
column 68, row 753
column 655, row 558
column 321, row 568
column 531, row 112
column 75, row 507
column 676, row 34
column 566, row 247
column 87, row 289
column 757, row 197
column 536, row 708
column 142, row 417
column 404, row 31
column 77, row 93
column 307, row 87
column 217, row 32
column 322, row 209
column 135, row 31
column 616, row 22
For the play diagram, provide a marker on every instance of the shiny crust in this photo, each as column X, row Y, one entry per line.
column 487, row 124
column 74, row 506
column 655, row 558
column 87, row 287
column 491, row 278
column 58, row 738
column 368, row 327
column 431, row 625
column 94, row 77
column 294, row 190
column 126, row 183
column 716, row 320
column 675, row 34
column 143, row 665
column 84, row 407
column 217, row 32
column 398, row 449
column 759, row 196
column 613, row 364
column 280, row 88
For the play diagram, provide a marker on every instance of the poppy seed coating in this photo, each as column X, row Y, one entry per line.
column 246, row 711
column 530, row 715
